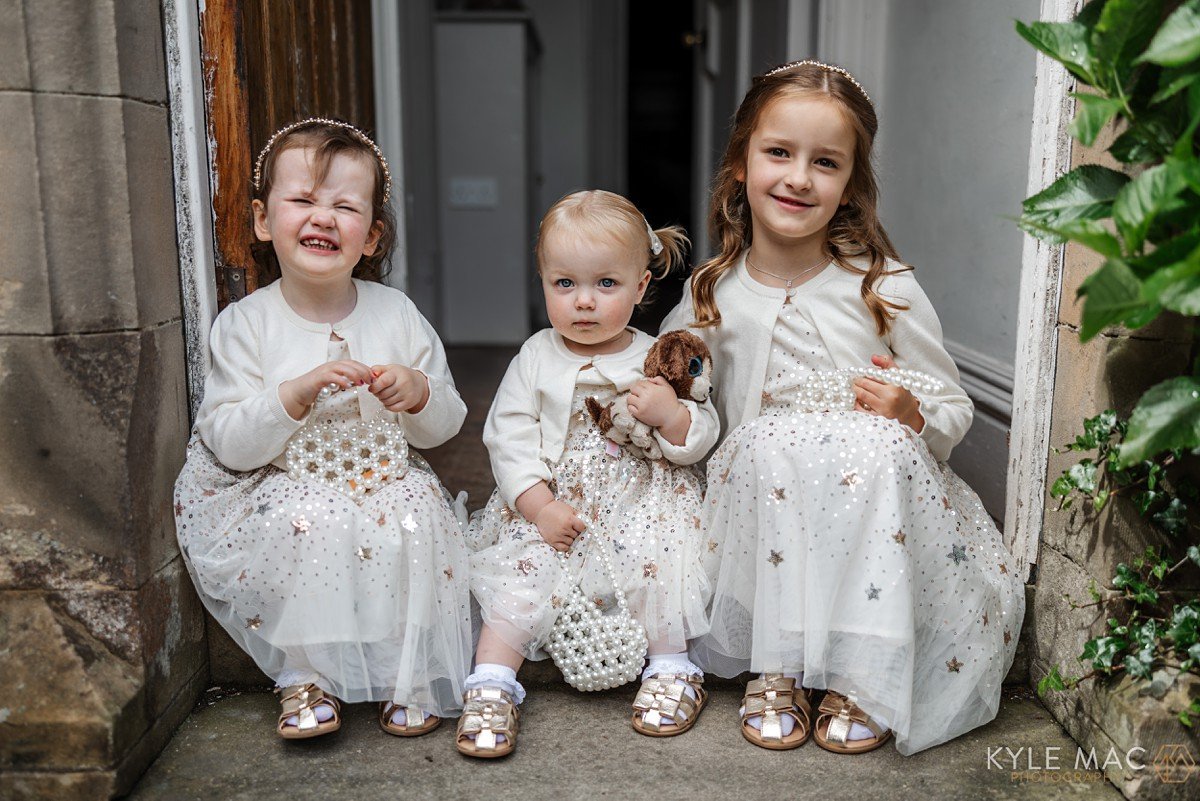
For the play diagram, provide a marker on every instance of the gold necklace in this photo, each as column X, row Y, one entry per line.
column 787, row 281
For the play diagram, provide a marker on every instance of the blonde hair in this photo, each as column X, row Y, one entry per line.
column 599, row 215
column 328, row 139
column 854, row 231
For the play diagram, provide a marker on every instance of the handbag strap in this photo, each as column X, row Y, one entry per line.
column 595, row 539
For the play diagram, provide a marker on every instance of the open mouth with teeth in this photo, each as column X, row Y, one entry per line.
column 319, row 244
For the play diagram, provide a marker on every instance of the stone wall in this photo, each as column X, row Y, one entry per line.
column 101, row 633
column 1079, row 546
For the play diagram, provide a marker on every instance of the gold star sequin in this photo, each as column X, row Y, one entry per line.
column 1003, row 568
column 945, row 502
column 724, row 476
column 254, row 623
column 524, row 566
column 899, row 537
column 382, row 519
column 873, row 592
column 712, row 546
column 851, row 479
column 681, row 489
column 555, row 601
column 362, row 553
column 507, row 514
column 775, row 558
column 575, row 492
column 301, row 525
column 598, row 601
column 958, row 553
column 778, row 494
column 766, row 397
column 242, row 576
column 208, row 493
column 696, row 522
column 409, row 523
column 953, row 665
column 649, row 570
column 985, row 618
column 1007, row 637
column 449, row 573
column 178, row 509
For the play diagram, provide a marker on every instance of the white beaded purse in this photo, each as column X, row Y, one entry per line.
column 833, row 390
column 353, row 458
column 596, row 651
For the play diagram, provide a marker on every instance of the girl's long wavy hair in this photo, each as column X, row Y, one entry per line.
column 854, row 232
column 326, row 142
column 601, row 216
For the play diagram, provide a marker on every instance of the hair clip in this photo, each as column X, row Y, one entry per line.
column 656, row 245
column 822, row 65
column 366, row 140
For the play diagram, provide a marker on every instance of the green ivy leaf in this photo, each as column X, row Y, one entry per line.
column 1166, row 418
column 1102, row 651
column 1092, row 113
column 1193, row 553
column 1172, row 518
column 1065, row 42
column 1085, row 193
column 1124, row 29
column 1131, row 582
column 1112, row 295
column 1153, row 192
column 1051, row 681
column 1083, row 475
column 1178, row 39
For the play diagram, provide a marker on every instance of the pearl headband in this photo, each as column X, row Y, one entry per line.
column 362, row 137
column 822, row 65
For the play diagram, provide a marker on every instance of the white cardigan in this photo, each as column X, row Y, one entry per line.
column 526, row 428
column 260, row 342
column 741, row 344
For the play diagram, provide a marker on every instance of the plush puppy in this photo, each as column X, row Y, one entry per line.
column 684, row 361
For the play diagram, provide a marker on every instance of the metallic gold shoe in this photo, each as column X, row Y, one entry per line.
column 663, row 700
column 837, row 712
column 771, row 698
column 301, row 701
column 388, row 708
column 487, row 713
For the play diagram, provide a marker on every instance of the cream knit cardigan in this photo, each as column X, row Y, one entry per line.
column 260, row 342
column 526, row 428
column 741, row 344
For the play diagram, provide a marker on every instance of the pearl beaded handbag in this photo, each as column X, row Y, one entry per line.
column 596, row 651
column 833, row 390
column 353, row 458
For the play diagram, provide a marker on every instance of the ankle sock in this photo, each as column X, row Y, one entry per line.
column 786, row 722
column 487, row 674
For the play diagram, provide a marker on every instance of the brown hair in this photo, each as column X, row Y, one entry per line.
column 327, row 141
column 854, row 231
column 601, row 215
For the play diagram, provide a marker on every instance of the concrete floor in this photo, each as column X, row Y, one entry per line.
column 574, row 745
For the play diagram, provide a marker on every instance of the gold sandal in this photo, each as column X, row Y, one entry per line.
column 661, row 698
column 388, row 708
column 487, row 713
column 772, row 697
column 301, row 701
column 837, row 712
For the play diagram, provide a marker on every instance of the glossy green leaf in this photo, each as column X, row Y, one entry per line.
column 1124, row 29
column 1178, row 40
column 1092, row 113
column 1111, row 295
column 1144, row 198
column 1066, row 42
column 1166, row 418
column 1177, row 287
column 1172, row 83
column 1085, row 193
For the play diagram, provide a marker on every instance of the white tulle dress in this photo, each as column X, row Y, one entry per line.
column 370, row 598
column 847, row 551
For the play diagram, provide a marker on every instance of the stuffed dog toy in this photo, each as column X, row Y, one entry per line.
column 684, row 361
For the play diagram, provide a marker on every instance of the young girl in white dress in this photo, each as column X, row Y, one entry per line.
column 852, row 559
column 335, row 592
column 557, row 477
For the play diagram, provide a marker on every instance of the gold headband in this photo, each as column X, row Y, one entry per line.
column 822, row 65
column 366, row 140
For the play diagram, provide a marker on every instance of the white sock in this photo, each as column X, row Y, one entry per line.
column 786, row 722
column 673, row 663
column 400, row 716
column 488, row 674
column 861, row 732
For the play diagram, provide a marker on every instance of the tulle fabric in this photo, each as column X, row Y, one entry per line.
column 373, row 598
column 648, row 514
column 848, row 552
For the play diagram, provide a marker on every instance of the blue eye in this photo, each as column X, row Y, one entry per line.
column 607, row 283
column 565, row 283
column 695, row 366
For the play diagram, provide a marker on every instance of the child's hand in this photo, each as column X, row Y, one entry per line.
column 652, row 401
column 887, row 400
column 399, row 388
column 559, row 525
column 300, row 393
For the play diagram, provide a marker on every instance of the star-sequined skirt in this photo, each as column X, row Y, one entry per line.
column 372, row 597
column 847, row 551
column 649, row 516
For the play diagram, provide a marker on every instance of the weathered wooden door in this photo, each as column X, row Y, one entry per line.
column 267, row 63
